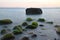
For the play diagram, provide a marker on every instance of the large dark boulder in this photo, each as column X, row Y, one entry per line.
column 33, row 11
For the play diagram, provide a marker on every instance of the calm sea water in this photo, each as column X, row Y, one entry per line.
column 18, row 15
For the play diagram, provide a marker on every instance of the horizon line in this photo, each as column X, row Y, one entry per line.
column 29, row 7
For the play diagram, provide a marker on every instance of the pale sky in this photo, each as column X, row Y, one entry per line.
column 29, row 3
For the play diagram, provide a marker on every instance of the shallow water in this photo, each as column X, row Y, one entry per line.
column 18, row 16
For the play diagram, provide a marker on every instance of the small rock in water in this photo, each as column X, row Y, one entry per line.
column 43, row 35
column 25, row 38
column 54, row 38
column 50, row 22
column 41, row 25
column 3, row 31
column 34, row 35
column 30, row 33
column 5, row 26
column 57, row 25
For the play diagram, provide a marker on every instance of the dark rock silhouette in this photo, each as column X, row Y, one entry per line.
column 34, row 35
column 58, row 32
column 33, row 11
column 25, row 38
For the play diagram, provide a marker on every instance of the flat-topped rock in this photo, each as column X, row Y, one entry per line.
column 33, row 11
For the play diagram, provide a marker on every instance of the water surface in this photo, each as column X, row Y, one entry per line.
column 19, row 15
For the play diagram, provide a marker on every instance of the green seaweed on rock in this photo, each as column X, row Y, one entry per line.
column 17, row 30
column 5, row 21
column 41, row 20
column 24, row 24
column 29, row 19
column 33, row 25
column 8, row 36
column 3, row 31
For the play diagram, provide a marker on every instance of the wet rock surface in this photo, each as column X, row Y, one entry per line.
column 34, row 35
column 33, row 11
column 5, row 21
column 25, row 38
column 41, row 25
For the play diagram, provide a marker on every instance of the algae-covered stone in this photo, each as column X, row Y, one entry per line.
column 5, row 21
column 24, row 24
column 31, row 27
column 35, row 23
column 17, row 30
column 8, row 36
column 3, row 31
column 41, row 20
column 29, row 19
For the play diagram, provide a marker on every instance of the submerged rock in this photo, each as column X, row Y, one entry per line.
column 58, row 30
column 25, row 38
column 55, row 39
column 49, row 22
column 41, row 20
column 31, row 27
column 43, row 35
column 34, row 35
column 3, row 31
column 24, row 24
column 41, row 25
column 57, row 26
column 33, row 11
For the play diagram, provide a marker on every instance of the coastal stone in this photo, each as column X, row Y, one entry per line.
column 29, row 19
column 57, row 26
column 8, row 36
column 41, row 20
column 34, row 35
column 41, row 25
column 32, row 26
column 25, row 38
column 33, row 11
column 3, row 31
column 49, row 22
column 17, row 30
column 24, row 24
column 58, row 30
column 5, row 21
